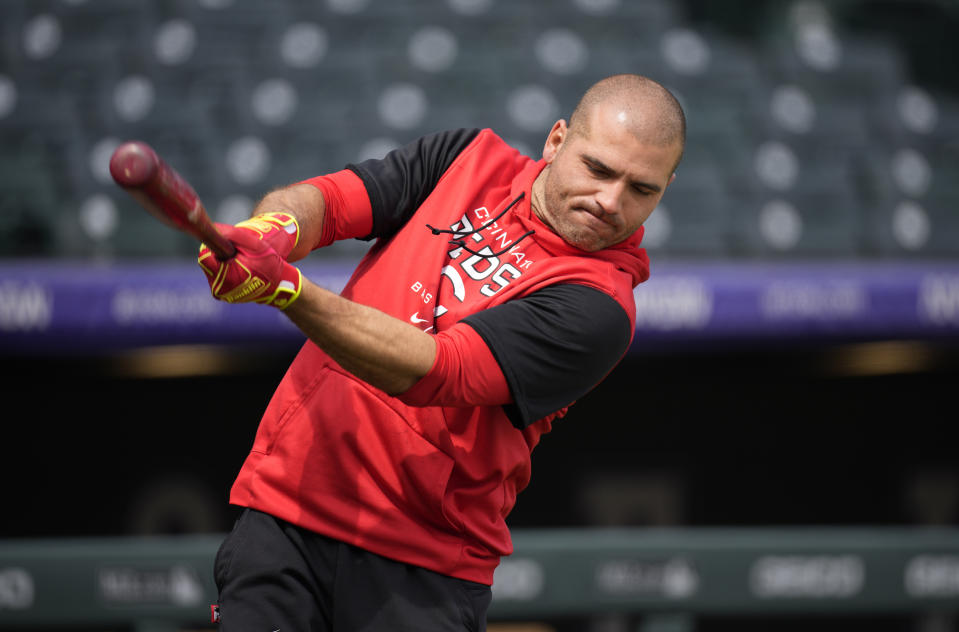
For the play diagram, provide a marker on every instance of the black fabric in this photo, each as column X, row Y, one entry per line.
column 553, row 346
column 272, row 575
column 405, row 177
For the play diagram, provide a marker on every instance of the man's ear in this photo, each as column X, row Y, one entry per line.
column 555, row 140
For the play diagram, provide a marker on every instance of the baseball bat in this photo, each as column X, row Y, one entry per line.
column 166, row 194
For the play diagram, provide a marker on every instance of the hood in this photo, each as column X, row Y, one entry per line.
column 626, row 255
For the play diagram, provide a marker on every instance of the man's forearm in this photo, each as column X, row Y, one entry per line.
column 381, row 350
column 304, row 202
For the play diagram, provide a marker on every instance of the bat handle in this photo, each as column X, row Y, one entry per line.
column 223, row 252
column 219, row 245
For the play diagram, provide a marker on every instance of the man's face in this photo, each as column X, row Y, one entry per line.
column 602, row 182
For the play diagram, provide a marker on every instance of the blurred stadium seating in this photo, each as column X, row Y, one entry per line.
column 810, row 139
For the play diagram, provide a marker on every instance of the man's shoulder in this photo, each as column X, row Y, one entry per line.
column 486, row 161
column 487, row 143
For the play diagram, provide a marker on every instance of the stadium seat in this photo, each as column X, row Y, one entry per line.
column 30, row 199
column 915, row 115
column 914, row 197
column 792, row 113
column 138, row 234
column 692, row 219
column 806, row 224
column 805, row 203
column 861, row 71
column 697, row 225
column 721, row 96
column 903, row 228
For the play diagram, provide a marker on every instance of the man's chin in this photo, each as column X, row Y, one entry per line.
column 586, row 243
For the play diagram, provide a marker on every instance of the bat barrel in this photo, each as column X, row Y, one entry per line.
column 134, row 164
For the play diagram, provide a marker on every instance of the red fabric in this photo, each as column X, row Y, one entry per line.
column 430, row 485
column 348, row 212
column 464, row 373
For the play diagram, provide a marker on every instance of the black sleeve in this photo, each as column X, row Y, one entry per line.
column 553, row 346
column 398, row 183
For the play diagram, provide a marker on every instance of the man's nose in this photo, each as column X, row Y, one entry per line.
column 610, row 197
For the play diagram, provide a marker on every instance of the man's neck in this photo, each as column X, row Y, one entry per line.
column 537, row 199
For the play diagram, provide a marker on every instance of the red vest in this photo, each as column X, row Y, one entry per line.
column 429, row 486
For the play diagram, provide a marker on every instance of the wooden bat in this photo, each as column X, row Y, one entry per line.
column 166, row 194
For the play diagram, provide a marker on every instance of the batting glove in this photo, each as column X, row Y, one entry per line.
column 279, row 230
column 257, row 274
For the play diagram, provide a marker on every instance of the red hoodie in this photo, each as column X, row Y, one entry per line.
column 428, row 478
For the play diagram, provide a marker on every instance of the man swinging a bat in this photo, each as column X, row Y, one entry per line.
column 499, row 290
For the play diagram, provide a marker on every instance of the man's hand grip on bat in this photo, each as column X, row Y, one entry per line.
column 259, row 272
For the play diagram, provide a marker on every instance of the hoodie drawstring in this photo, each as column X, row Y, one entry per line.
column 458, row 237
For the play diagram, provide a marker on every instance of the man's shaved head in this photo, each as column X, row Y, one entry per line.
column 649, row 110
column 608, row 167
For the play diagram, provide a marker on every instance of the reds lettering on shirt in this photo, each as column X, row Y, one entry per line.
column 498, row 234
column 495, row 256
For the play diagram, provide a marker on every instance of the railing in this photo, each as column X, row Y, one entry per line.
column 164, row 583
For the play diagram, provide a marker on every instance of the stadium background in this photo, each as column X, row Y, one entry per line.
column 823, row 140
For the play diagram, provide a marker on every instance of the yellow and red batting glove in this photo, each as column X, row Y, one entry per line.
column 277, row 229
column 257, row 274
